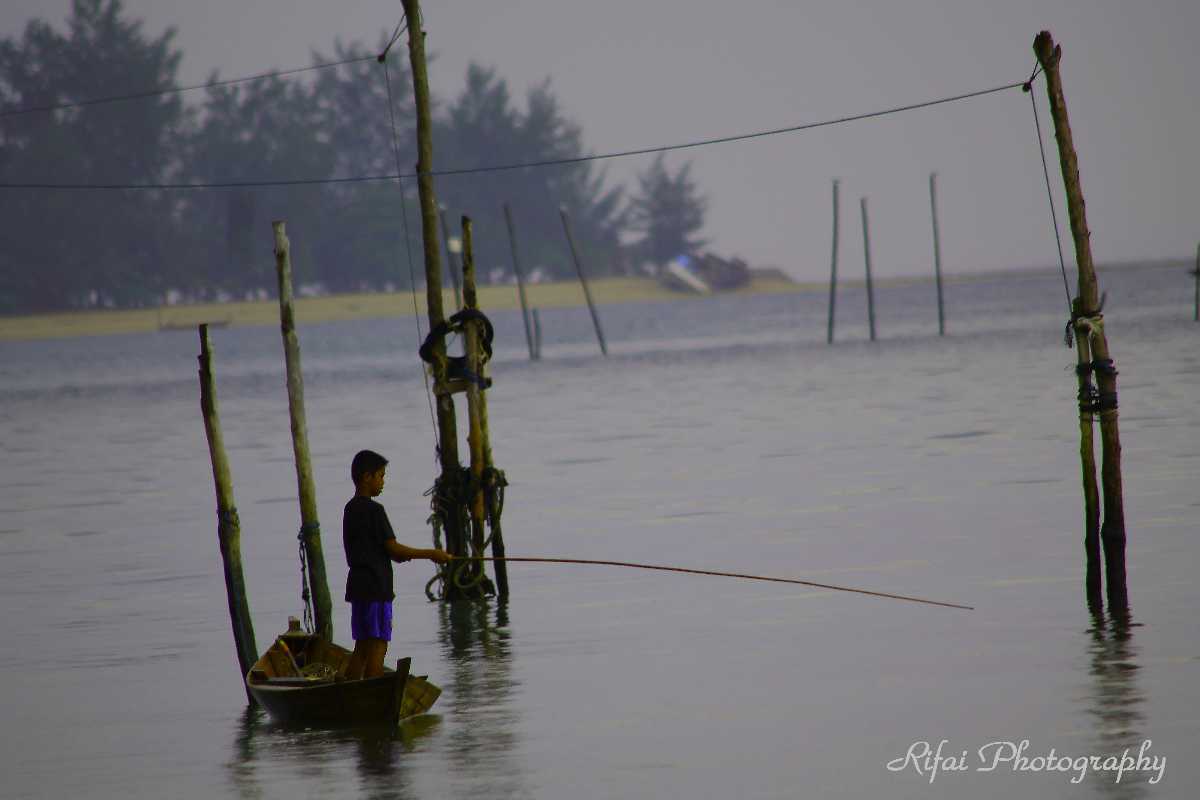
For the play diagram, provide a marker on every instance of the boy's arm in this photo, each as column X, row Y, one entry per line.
column 402, row 552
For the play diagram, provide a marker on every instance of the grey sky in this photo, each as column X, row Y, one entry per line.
column 638, row 73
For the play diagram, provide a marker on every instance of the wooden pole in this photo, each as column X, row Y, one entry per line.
column 1196, row 301
column 833, row 265
column 453, row 521
column 229, row 529
column 1090, row 323
column 937, row 253
column 867, row 259
column 310, row 526
column 587, row 293
column 453, row 265
column 1093, row 588
column 520, row 273
column 481, row 448
column 537, row 335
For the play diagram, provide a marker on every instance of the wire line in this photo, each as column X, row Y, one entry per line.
column 1050, row 195
column 175, row 90
column 412, row 278
column 526, row 164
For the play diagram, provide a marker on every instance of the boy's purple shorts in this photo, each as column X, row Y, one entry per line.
column 371, row 619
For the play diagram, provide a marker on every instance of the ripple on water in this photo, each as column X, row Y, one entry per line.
column 961, row 435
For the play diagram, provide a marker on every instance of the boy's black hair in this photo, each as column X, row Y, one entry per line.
column 366, row 461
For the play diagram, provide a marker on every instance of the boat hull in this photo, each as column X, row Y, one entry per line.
column 284, row 684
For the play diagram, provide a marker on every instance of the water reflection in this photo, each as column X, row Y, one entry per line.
column 477, row 648
column 1116, row 701
column 241, row 766
column 302, row 762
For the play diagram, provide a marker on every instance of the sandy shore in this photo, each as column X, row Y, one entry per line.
column 345, row 306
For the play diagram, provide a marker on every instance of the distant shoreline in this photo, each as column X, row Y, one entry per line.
column 375, row 305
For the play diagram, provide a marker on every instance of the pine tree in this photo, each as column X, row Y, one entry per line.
column 668, row 211
column 119, row 251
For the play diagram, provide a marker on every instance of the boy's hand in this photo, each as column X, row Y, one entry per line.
column 440, row 556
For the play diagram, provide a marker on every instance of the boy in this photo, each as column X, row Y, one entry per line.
column 371, row 547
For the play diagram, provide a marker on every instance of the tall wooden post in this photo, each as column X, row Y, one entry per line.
column 1089, row 322
column 481, row 448
column 520, row 273
column 937, row 253
column 452, row 266
column 833, row 266
column 867, row 259
column 310, row 526
column 1196, row 301
column 537, row 335
column 1093, row 588
column 229, row 529
column 453, row 520
column 587, row 293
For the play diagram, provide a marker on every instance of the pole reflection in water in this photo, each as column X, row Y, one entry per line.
column 480, row 695
column 1116, row 701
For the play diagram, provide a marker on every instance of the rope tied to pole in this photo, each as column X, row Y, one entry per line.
column 491, row 484
column 448, row 494
column 456, row 366
column 306, row 530
column 1091, row 399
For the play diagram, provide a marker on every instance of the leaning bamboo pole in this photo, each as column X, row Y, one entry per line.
column 937, row 253
column 867, row 260
column 310, row 527
column 1088, row 322
column 587, row 292
column 519, row 272
column 229, row 528
column 453, row 516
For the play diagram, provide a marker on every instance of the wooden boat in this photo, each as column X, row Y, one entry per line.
column 297, row 680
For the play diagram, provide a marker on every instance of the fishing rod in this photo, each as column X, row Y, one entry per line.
column 538, row 560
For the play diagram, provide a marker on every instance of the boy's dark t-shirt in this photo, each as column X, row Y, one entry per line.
column 365, row 528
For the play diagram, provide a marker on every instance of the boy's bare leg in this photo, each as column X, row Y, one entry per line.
column 358, row 659
column 375, row 653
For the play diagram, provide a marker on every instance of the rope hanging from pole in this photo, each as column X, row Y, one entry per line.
column 305, row 593
column 1091, row 399
column 446, row 497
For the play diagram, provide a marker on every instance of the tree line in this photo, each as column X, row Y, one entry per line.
column 86, row 248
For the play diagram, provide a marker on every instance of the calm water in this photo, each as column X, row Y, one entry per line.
column 721, row 434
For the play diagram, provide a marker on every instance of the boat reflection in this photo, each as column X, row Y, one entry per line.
column 270, row 758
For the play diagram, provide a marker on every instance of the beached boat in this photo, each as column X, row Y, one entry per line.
column 297, row 681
